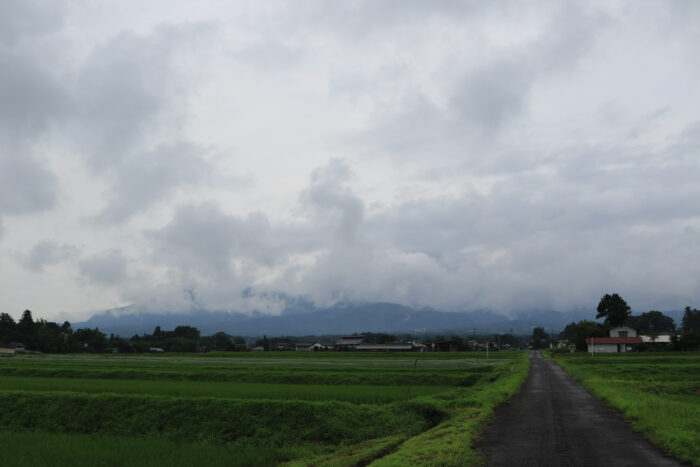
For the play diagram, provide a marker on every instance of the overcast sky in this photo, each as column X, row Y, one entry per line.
column 453, row 154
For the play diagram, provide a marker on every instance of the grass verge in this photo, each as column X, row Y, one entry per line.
column 656, row 400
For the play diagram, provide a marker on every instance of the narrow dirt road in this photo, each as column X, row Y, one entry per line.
column 554, row 421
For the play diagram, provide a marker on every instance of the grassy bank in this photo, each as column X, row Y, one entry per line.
column 658, row 393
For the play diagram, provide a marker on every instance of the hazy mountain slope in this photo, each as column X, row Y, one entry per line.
column 373, row 317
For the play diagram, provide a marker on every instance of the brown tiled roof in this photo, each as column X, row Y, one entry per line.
column 614, row 340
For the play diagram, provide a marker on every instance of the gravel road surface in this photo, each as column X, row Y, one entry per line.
column 554, row 421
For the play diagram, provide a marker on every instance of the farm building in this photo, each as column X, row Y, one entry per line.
column 656, row 338
column 6, row 352
column 349, row 342
column 445, row 346
column 622, row 339
column 309, row 346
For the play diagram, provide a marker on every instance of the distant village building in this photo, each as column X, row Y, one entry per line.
column 309, row 346
column 283, row 346
column 18, row 347
column 349, row 342
column 445, row 346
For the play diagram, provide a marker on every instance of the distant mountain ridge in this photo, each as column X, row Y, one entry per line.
column 300, row 321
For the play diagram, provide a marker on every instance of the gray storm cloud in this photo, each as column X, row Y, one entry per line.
column 458, row 155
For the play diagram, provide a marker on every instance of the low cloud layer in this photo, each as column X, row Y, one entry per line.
column 457, row 155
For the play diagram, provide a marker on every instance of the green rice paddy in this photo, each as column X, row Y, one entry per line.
column 249, row 409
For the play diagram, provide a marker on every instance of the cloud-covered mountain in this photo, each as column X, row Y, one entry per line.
column 372, row 317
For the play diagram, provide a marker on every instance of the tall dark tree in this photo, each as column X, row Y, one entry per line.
column 8, row 327
column 539, row 337
column 614, row 309
column 691, row 320
column 157, row 334
column 25, row 326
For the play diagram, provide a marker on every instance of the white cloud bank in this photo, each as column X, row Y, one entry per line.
column 458, row 155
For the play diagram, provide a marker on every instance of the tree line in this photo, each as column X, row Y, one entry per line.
column 49, row 337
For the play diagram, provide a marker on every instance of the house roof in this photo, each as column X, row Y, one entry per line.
column 614, row 340
column 351, row 340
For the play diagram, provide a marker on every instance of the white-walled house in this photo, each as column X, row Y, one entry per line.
column 623, row 331
column 622, row 339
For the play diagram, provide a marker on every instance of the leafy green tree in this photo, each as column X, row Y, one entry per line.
column 186, row 332
column 652, row 321
column 614, row 309
column 221, row 341
column 576, row 333
column 91, row 340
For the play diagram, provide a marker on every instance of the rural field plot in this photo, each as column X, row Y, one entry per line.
column 249, row 409
column 658, row 393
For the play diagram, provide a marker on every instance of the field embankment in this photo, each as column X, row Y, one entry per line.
column 658, row 393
